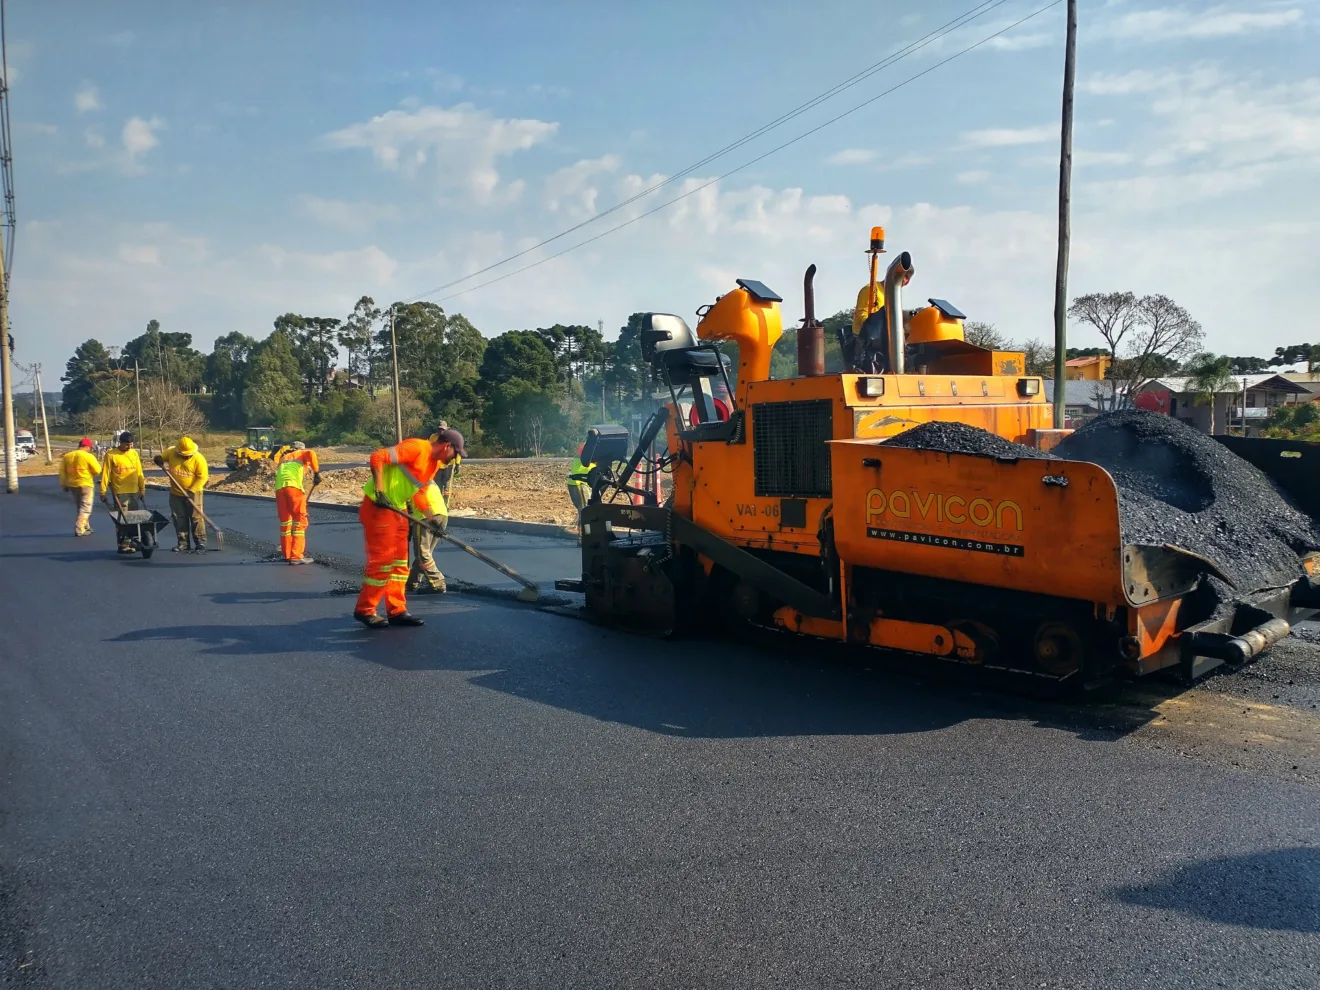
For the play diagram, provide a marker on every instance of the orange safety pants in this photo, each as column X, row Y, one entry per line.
column 291, row 503
column 386, row 575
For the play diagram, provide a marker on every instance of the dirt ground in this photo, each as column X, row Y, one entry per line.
column 527, row 490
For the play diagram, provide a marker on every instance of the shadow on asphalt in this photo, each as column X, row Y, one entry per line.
column 1274, row 891
column 703, row 689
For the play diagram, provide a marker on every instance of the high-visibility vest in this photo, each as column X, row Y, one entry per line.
column 578, row 473
column 289, row 473
column 401, row 484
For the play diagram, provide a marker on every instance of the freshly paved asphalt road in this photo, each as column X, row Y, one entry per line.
column 210, row 777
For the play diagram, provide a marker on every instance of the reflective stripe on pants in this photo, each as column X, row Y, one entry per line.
column 291, row 504
column 386, row 574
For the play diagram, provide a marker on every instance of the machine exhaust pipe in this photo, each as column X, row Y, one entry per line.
column 811, row 337
column 898, row 273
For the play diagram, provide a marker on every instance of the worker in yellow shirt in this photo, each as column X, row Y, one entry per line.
column 121, row 475
column 78, row 471
column 425, row 577
column 188, row 473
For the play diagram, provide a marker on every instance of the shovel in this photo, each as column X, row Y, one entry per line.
column 530, row 592
column 219, row 536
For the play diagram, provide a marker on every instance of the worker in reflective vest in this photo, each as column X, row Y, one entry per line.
column 425, row 577
column 399, row 475
column 290, row 499
column 579, row 490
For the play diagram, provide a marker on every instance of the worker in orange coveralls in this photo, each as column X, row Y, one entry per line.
column 291, row 500
column 399, row 474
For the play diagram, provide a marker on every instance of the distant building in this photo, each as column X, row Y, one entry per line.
column 1083, row 400
column 1309, row 380
column 1263, row 394
column 1088, row 369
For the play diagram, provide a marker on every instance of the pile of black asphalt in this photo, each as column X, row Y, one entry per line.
column 1175, row 486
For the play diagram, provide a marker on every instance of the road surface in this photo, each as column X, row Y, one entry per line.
column 211, row 777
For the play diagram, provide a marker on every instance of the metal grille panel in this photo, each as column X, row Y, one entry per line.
column 791, row 458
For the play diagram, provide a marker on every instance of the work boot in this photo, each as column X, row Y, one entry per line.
column 300, row 560
column 370, row 619
column 200, row 548
column 181, row 549
column 406, row 619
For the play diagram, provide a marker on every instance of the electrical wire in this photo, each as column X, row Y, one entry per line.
column 893, row 58
column 753, row 161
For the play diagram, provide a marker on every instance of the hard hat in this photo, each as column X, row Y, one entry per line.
column 86, row 442
column 186, row 446
column 299, row 445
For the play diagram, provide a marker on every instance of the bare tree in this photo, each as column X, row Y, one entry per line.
column 1113, row 315
column 168, row 413
column 1037, row 355
column 534, row 433
column 1165, row 333
column 985, row 335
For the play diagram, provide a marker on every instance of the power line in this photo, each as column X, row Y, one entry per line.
column 758, row 158
column 961, row 20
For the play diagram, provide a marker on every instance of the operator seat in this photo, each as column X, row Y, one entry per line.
column 674, row 352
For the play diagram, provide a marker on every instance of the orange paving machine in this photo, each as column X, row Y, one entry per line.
column 789, row 512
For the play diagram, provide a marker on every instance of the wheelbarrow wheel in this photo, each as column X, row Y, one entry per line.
column 147, row 552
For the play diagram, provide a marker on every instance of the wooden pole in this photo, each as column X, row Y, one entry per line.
column 1065, row 198
column 137, row 387
column 45, row 427
column 398, row 403
column 6, row 373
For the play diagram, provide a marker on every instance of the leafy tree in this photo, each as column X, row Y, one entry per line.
column 226, row 377
column 627, row 374
column 783, row 362
column 985, row 335
column 1296, row 354
column 274, row 377
column 89, row 359
column 355, row 336
column 314, row 345
column 1248, row 365
column 166, row 356
column 525, row 419
column 419, row 329
column 1300, row 421
column 523, row 356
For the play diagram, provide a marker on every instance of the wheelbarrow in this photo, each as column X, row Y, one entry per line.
column 137, row 528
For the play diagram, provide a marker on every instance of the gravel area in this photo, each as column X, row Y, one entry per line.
column 1179, row 486
column 959, row 438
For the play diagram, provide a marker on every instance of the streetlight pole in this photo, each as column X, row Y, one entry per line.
column 1065, row 198
column 398, row 403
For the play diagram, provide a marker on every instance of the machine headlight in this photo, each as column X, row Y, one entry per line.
column 1029, row 386
column 871, row 388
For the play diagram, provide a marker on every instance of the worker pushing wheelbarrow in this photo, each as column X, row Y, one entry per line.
column 124, row 490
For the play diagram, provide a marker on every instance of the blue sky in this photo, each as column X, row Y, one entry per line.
column 213, row 166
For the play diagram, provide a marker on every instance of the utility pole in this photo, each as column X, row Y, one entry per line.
column 600, row 328
column 1065, row 199
column 6, row 373
column 398, row 403
column 45, row 427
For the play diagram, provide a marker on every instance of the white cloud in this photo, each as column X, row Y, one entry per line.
column 1003, row 137
column 139, row 254
column 852, row 156
column 1165, row 23
column 1021, row 42
column 94, row 137
column 571, row 189
column 139, row 136
column 457, row 148
column 352, row 218
column 87, row 99
column 973, row 177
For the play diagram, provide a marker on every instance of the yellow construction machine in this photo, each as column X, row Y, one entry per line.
column 791, row 513
column 260, row 445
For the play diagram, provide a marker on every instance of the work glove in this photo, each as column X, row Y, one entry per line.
column 316, row 478
column 437, row 524
column 158, row 461
column 382, row 502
